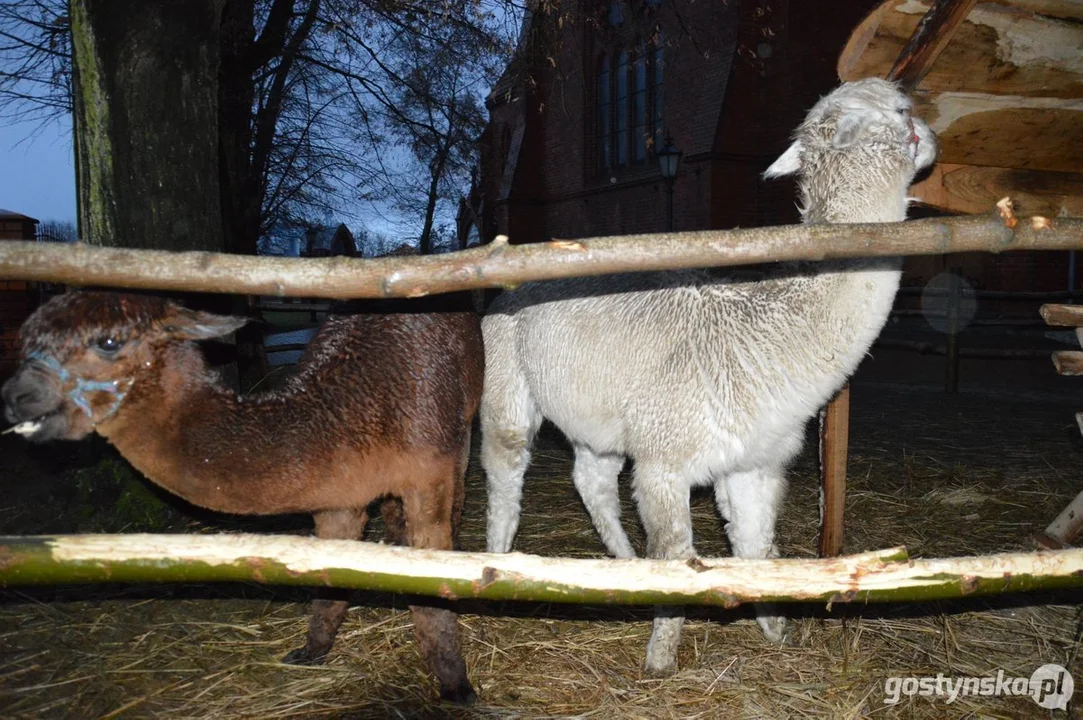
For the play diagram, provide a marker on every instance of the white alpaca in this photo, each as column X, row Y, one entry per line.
column 703, row 377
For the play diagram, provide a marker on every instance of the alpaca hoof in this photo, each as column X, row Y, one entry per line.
column 662, row 671
column 659, row 664
column 463, row 694
column 302, row 656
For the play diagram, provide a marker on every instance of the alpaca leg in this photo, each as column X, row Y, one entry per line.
column 662, row 498
column 329, row 607
column 460, row 488
column 509, row 422
column 436, row 625
column 595, row 478
column 394, row 520
column 754, row 501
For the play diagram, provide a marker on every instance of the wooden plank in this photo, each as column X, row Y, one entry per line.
column 1067, row 526
column 931, row 36
column 834, row 445
column 1062, row 315
column 1068, row 362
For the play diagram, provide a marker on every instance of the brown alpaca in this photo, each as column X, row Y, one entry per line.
column 380, row 407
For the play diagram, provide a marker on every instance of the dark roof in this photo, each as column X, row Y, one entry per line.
column 9, row 215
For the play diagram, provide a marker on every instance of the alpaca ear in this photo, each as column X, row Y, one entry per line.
column 848, row 129
column 185, row 324
column 787, row 164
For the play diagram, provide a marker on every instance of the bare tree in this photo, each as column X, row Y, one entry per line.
column 438, row 116
column 416, row 74
column 35, row 60
column 298, row 108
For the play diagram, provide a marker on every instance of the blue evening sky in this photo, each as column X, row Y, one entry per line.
column 37, row 170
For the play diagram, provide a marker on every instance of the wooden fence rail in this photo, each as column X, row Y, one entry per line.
column 500, row 264
column 880, row 576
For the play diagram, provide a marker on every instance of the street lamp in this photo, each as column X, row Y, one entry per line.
column 669, row 158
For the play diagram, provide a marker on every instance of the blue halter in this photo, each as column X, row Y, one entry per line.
column 78, row 394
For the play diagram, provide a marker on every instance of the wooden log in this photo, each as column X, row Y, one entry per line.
column 1020, row 48
column 971, row 189
column 502, row 265
column 1068, row 362
column 931, row 36
column 882, row 576
column 834, row 446
column 1062, row 315
column 1004, row 92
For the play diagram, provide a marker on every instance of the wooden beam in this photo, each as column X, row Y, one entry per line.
column 834, row 445
column 1062, row 315
column 931, row 37
column 1068, row 362
column 1067, row 526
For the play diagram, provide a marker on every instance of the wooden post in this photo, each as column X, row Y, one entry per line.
column 834, row 444
column 955, row 298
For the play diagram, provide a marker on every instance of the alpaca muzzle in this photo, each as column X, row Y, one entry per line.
column 81, row 388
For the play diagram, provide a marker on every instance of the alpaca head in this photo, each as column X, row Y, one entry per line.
column 870, row 114
column 82, row 352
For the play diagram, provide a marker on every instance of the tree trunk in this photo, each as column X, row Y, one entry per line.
column 436, row 172
column 236, row 94
column 146, row 122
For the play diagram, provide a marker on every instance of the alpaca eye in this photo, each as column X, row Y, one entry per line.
column 108, row 345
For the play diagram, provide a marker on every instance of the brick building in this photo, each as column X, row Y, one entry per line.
column 577, row 116
column 16, row 296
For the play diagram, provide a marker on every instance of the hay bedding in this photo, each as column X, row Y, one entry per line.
column 946, row 476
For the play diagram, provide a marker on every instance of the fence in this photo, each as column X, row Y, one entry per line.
column 955, row 310
column 502, row 265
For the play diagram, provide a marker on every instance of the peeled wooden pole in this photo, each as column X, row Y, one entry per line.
column 882, row 576
column 502, row 265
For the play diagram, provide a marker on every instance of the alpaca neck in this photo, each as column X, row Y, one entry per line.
column 200, row 441
column 858, row 293
column 861, row 186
